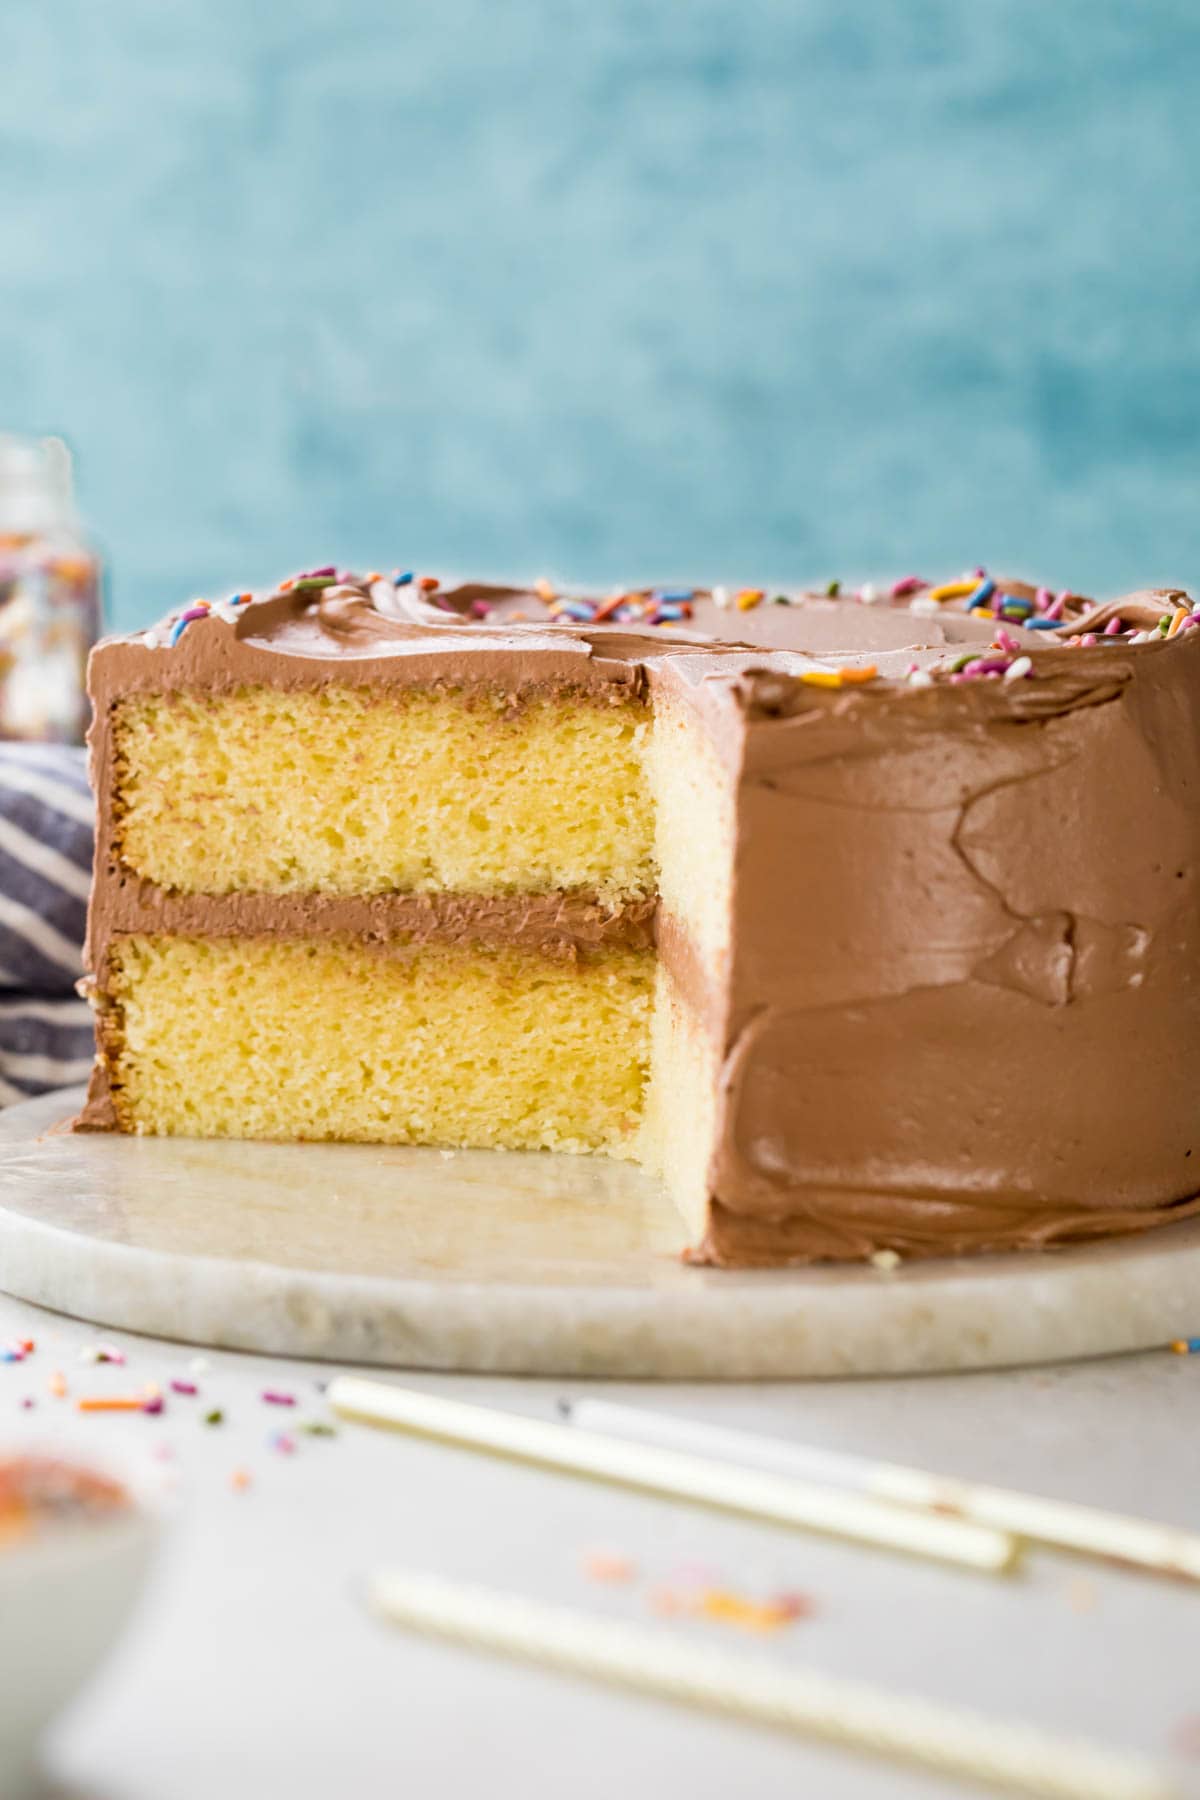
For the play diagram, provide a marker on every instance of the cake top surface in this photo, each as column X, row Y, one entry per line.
column 910, row 632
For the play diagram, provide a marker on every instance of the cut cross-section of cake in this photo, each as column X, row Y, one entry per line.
column 864, row 921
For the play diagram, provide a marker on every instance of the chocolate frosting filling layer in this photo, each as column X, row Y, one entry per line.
column 961, row 1004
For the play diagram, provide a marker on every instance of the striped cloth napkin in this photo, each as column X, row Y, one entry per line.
column 45, row 870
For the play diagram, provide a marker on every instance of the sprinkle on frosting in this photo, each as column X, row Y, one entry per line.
column 199, row 609
column 953, row 590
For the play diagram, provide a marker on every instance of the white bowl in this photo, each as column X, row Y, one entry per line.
column 65, row 1596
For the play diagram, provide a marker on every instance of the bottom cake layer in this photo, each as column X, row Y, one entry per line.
column 504, row 1047
column 295, row 1038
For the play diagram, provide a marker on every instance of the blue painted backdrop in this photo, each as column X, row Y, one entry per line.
column 611, row 289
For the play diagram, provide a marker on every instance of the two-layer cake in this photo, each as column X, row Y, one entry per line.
column 870, row 921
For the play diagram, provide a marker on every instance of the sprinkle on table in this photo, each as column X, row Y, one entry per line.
column 277, row 1397
column 95, row 1403
column 1185, row 1736
column 1081, row 1595
column 184, row 1387
column 215, row 1417
column 609, row 1567
column 700, row 1593
column 720, row 1605
column 1186, row 1346
column 57, row 1384
column 725, row 1607
column 240, row 1480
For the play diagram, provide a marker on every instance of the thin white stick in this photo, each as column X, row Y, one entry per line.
column 1083, row 1529
column 900, row 1726
column 670, row 1472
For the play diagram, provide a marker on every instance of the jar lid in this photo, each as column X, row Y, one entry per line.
column 37, row 491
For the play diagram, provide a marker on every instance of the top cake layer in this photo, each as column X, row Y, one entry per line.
column 337, row 791
column 252, row 754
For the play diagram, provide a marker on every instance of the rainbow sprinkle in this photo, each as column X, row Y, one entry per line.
column 839, row 678
column 200, row 609
column 953, row 590
column 981, row 595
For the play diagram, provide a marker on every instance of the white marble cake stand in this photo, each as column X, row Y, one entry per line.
column 519, row 1263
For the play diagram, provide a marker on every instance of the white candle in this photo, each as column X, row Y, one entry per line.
column 676, row 1474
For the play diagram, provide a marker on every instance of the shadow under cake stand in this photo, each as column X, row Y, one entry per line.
column 515, row 1262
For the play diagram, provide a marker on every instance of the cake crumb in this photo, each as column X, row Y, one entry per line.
column 886, row 1260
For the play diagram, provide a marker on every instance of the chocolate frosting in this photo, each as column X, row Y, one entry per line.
column 959, row 1011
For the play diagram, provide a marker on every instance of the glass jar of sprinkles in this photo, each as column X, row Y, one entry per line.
column 49, row 594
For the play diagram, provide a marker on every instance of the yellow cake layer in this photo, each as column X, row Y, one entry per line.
column 694, row 829
column 322, row 1038
column 342, row 791
column 681, row 1101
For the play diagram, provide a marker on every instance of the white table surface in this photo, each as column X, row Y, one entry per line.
column 252, row 1670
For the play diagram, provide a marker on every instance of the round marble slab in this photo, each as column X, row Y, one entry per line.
column 520, row 1263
